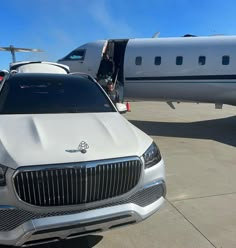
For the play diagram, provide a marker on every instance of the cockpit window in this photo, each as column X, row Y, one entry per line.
column 76, row 55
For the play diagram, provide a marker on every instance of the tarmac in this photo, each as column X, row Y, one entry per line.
column 198, row 144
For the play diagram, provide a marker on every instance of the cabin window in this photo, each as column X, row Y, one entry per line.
column 76, row 55
column 138, row 60
column 157, row 60
column 225, row 60
column 202, row 60
column 179, row 60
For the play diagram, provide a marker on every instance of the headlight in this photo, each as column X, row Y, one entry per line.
column 3, row 170
column 152, row 156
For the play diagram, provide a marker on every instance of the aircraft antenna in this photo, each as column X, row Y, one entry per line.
column 13, row 49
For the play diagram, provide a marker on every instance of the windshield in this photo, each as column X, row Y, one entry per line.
column 52, row 94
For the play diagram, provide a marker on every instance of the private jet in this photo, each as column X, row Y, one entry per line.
column 176, row 69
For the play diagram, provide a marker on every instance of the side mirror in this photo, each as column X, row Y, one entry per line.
column 3, row 73
column 121, row 107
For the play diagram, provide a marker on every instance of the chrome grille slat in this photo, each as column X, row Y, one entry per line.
column 22, row 179
column 99, row 182
column 28, row 187
column 127, row 182
column 110, row 179
column 103, row 168
column 63, row 192
column 67, row 188
column 134, row 176
column 114, row 183
column 44, row 195
column 90, row 178
column 48, row 188
column 107, row 182
column 81, row 186
column 33, row 187
column 118, row 178
column 76, row 184
column 53, row 189
column 121, row 181
column 17, row 185
column 86, row 186
column 37, row 176
column 58, row 189
column 95, row 184
column 72, row 186
column 125, row 176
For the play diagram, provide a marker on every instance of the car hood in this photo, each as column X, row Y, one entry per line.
column 54, row 138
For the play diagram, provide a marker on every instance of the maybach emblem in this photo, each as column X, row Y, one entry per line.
column 83, row 147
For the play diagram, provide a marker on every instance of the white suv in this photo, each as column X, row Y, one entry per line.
column 70, row 164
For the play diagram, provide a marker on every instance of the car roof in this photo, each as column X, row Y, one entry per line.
column 39, row 67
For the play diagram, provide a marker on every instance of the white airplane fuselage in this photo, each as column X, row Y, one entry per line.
column 192, row 69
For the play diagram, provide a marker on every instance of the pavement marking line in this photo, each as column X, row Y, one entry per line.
column 202, row 197
column 190, row 222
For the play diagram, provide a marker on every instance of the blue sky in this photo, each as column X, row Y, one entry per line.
column 58, row 26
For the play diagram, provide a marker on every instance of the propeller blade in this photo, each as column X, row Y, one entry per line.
column 18, row 49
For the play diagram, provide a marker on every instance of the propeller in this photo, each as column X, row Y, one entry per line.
column 13, row 49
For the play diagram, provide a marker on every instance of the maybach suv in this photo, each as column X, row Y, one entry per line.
column 70, row 163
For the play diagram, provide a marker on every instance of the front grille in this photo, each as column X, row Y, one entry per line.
column 78, row 183
column 10, row 218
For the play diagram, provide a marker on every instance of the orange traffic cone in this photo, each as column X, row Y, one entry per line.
column 128, row 107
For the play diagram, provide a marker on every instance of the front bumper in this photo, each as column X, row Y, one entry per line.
column 23, row 225
column 51, row 228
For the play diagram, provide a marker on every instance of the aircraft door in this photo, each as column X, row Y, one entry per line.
column 118, row 57
column 111, row 67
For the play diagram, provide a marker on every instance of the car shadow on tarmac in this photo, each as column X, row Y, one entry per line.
column 81, row 242
column 221, row 130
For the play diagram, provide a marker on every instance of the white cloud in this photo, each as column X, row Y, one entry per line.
column 114, row 26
